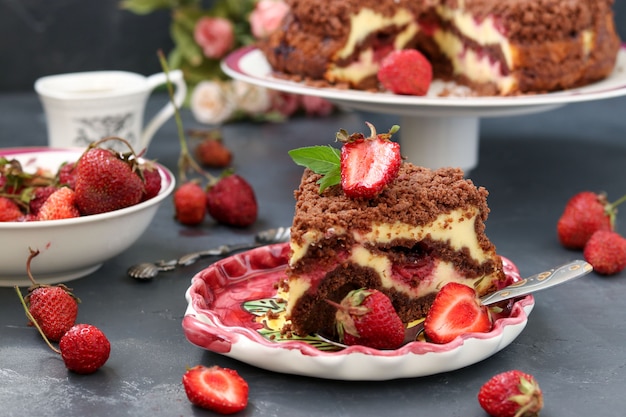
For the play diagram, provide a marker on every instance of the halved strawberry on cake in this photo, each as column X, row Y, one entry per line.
column 407, row 232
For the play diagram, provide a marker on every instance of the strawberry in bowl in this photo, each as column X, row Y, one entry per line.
column 75, row 221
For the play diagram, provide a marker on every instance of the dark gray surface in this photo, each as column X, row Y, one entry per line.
column 574, row 343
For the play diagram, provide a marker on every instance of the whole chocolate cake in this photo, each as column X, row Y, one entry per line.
column 497, row 47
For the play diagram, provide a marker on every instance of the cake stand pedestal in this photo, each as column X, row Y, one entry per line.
column 435, row 131
column 435, row 142
column 441, row 136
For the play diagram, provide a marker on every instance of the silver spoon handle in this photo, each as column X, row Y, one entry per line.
column 540, row 281
column 191, row 258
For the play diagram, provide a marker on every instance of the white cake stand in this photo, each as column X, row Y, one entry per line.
column 435, row 131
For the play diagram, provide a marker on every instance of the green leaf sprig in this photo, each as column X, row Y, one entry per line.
column 323, row 160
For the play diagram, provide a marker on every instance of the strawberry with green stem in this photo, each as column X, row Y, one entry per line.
column 53, row 307
column 585, row 213
column 511, row 394
column 83, row 347
column 229, row 198
column 366, row 317
column 107, row 180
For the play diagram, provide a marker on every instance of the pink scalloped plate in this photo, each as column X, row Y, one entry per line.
column 227, row 313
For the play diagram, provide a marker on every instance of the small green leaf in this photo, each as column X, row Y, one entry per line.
column 323, row 160
column 330, row 179
column 320, row 159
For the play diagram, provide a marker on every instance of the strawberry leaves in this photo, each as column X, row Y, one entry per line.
column 323, row 160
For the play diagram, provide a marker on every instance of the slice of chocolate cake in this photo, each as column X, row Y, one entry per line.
column 425, row 229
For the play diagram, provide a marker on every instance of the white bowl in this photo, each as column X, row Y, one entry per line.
column 70, row 248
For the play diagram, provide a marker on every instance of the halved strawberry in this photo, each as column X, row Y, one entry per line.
column 456, row 310
column 368, row 164
column 218, row 389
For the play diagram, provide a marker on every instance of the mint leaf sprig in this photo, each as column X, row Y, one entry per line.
column 323, row 160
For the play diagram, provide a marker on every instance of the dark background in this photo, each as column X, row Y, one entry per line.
column 41, row 37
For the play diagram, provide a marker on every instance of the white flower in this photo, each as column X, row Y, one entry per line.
column 250, row 98
column 211, row 102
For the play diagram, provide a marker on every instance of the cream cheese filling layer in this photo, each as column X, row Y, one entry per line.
column 476, row 67
column 443, row 273
column 484, row 32
column 362, row 25
column 456, row 228
column 368, row 21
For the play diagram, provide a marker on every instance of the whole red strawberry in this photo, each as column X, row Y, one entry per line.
column 456, row 310
column 368, row 164
column 59, row 205
column 511, row 394
column 366, row 317
column 606, row 252
column 218, row 389
column 9, row 210
column 84, row 348
column 67, row 174
column 212, row 152
column 152, row 180
column 53, row 308
column 406, row 72
column 232, row 201
column 584, row 214
column 39, row 196
column 105, row 182
column 190, row 204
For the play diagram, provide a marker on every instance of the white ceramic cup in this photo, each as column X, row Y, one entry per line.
column 83, row 107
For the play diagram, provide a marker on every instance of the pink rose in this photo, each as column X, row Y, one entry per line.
column 266, row 17
column 316, row 106
column 214, row 35
column 284, row 103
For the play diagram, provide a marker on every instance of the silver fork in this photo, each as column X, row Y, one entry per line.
column 147, row 270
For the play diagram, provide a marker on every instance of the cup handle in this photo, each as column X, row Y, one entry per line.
column 176, row 77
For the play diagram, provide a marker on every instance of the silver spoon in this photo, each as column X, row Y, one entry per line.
column 537, row 282
column 148, row 270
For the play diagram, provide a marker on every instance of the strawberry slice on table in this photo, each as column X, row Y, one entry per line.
column 368, row 164
column 215, row 388
column 456, row 310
